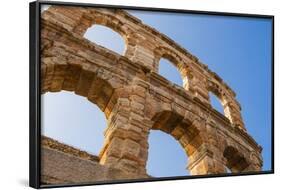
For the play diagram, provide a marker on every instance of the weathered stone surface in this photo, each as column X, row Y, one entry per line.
column 136, row 99
column 62, row 165
column 55, row 145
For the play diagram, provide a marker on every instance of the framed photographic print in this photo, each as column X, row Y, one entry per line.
column 129, row 94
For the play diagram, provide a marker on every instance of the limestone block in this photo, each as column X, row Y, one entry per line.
column 130, row 149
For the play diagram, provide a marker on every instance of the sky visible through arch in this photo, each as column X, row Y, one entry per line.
column 237, row 49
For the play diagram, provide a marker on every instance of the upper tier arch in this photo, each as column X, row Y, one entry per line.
column 146, row 46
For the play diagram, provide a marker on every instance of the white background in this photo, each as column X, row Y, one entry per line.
column 14, row 103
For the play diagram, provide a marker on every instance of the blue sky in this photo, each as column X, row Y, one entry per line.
column 237, row 49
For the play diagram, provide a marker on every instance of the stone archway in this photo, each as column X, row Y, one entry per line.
column 235, row 161
column 136, row 99
column 182, row 130
column 166, row 53
column 58, row 75
column 73, row 120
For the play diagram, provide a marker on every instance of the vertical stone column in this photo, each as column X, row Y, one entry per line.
column 140, row 49
column 205, row 161
column 193, row 82
column 207, row 157
column 200, row 90
column 126, row 144
column 232, row 112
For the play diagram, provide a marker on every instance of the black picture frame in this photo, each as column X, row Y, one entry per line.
column 35, row 97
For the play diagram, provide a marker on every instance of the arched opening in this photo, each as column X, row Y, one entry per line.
column 73, row 120
column 166, row 157
column 106, row 37
column 83, row 81
column 170, row 72
column 235, row 161
column 181, row 132
column 216, row 103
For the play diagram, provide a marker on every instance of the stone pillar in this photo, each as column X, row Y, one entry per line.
column 140, row 49
column 232, row 112
column 204, row 157
column 194, row 83
column 204, row 161
column 187, row 76
column 126, row 144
